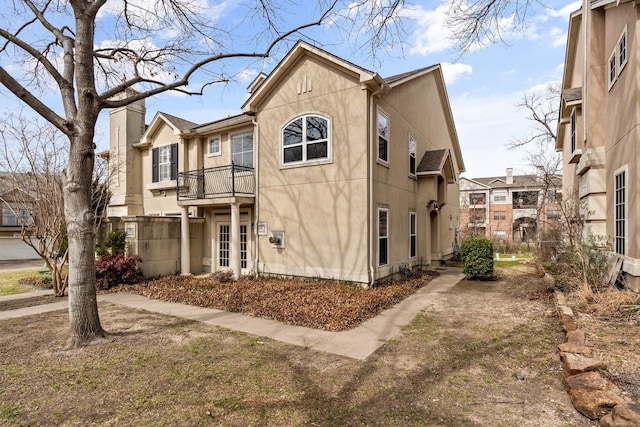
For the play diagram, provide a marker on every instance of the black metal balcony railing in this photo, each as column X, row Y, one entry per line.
column 210, row 183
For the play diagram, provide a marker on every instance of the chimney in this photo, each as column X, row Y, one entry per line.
column 509, row 175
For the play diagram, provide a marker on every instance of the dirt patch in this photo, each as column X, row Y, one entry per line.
column 15, row 304
column 483, row 355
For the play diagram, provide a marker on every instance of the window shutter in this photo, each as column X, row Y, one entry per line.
column 154, row 165
column 174, row 162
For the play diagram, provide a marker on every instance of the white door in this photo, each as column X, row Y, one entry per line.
column 224, row 245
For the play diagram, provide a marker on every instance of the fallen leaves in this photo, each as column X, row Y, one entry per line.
column 319, row 304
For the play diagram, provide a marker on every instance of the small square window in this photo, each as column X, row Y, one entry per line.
column 214, row 147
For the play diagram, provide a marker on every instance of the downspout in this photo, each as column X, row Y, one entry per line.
column 372, row 211
column 256, row 145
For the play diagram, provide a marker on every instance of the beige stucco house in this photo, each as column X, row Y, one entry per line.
column 329, row 171
column 598, row 126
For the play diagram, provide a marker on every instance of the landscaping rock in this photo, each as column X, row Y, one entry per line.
column 568, row 323
column 577, row 363
column 574, row 348
column 576, row 337
column 592, row 395
column 623, row 415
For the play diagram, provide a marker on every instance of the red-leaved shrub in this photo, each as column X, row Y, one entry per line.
column 113, row 270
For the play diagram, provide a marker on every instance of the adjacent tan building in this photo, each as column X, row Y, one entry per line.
column 598, row 125
column 330, row 171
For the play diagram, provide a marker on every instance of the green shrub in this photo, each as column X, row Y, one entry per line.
column 477, row 255
column 114, row 244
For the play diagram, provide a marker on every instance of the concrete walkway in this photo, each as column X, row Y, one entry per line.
column 358, row 343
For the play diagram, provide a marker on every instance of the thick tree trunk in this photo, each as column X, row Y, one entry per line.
column 84, row 322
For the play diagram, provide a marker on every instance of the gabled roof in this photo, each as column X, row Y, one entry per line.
column 398, row 79
column 437, row 162
column 299, row 50
column 221, row 124
column 526, row 181
column 475, row 185
column 178, row 125
column 432, row 161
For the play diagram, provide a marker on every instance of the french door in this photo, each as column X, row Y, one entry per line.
column 224, row 245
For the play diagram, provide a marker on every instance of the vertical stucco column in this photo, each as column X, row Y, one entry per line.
column 185, row 253
column 234, row 250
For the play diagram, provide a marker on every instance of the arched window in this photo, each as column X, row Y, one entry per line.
column 306, row 139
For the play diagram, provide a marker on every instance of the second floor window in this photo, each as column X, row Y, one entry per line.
column 383, row 137
column 477, row 199
column 499, row 215
column 305, row 139
column 164, row 163
column 412, row 155
column 242, row 149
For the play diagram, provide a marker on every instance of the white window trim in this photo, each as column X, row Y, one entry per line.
column 253, row 147
column 415, row 148
column 613, row 57
column 500, row 193
column 163, row 176
column 624, row 169
column 573, row 129
column 378, row 159
column 413, row 219
column 620, row 66
column 313, row 162
column 382, row 209
column 214, row 153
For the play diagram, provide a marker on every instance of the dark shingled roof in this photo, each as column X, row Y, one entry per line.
column 518, row 181
column 392, row 79
column 432, row 161
column 182, row 124
column 573, row 94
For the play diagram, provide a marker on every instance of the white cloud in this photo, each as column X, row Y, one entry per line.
column 432, row 36
column 565, row 11
column 453, row 72
column 485, row 125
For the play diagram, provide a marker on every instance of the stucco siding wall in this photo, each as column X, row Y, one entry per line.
column 322, row 208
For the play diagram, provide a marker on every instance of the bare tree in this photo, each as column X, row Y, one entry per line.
column 33, row 157
column 156, row 46
column 477, row 23
column 542, row 108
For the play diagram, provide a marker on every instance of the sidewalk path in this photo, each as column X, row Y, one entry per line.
column 358, row 343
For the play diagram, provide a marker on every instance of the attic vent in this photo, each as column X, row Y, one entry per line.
column 306, row 85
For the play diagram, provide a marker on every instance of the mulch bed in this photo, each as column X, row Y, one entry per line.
column 319, row 304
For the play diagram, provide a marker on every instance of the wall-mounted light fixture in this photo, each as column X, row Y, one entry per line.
column 433, row 204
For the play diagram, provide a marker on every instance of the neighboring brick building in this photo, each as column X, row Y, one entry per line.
column 510, row 208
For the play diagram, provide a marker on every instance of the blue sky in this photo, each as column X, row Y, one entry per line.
column 484, row 86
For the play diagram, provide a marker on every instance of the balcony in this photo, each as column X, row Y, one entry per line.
column 216, row 183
